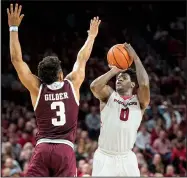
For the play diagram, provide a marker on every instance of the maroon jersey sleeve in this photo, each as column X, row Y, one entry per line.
column 56, row 111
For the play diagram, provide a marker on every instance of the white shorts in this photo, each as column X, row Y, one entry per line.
column 115, row 165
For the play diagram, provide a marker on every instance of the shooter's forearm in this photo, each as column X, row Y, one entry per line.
column 101, row 81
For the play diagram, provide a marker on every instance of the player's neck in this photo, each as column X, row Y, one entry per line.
column 60, row 80
column 125, row 93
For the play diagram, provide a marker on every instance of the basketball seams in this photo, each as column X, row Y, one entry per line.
column 123, row 55
column 116, row 56
column 115, row 59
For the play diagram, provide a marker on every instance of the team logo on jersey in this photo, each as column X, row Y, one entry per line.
column 127, row 104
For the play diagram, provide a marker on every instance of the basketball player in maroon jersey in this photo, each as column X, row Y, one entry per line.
column 55, row 101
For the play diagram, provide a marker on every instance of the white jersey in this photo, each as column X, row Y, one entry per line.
column 120, row 120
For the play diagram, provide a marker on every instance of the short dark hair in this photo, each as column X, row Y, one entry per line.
column 48, row 69
column 132, row 73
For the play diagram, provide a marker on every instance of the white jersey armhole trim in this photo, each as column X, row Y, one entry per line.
column 38, row 97
column 136, row 97
column 75, row 96
column 109, row 99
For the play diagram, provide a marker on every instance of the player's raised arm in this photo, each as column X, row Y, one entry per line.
column 78, row 74
column 30, row 81
column 99, row 86
column 142, row 77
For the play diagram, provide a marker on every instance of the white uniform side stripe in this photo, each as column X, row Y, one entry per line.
column 38, row 97
column 75, row 96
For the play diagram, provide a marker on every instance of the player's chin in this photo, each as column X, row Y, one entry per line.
column 118, row 87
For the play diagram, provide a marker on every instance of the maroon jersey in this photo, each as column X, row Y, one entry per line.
column 56, row 111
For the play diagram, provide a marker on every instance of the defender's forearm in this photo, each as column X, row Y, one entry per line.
column 101, row 81
column 15, row 48
column 142, row 76
column 86, row 50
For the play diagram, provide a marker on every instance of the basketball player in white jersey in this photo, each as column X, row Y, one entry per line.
column 121, row 115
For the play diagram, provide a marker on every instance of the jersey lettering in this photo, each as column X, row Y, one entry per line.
column 60, row 113
column 57, row 96
column 124, row 115
column 125, row 105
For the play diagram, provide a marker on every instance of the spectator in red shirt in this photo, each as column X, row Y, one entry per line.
column 179, row 157
column 179, row 151
column 80, row 165
column 86, row 169
column 179, row 136
column 21, row 124
column 155, row 133
column 25, row 137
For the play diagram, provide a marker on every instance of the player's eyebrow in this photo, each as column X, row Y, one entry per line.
column 124, row 75
column 118, row 77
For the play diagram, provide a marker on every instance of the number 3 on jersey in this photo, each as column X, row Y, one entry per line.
column 124, row 115
column 60, row 113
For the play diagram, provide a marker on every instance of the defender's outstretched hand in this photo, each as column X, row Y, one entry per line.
column 14, row 17
column 94, row 27
column 131, row 51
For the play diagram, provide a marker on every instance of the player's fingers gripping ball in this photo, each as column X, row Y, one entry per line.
column 119, row 57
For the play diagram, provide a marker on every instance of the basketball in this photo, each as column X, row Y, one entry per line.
column 118, row 56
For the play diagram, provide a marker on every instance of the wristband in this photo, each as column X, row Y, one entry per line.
column 13, row 29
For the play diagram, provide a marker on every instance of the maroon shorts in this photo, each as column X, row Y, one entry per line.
column 52, row 160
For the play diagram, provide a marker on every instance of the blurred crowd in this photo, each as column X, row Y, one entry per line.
column 160, row 43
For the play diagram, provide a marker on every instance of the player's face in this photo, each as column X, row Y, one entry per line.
column 123, row 81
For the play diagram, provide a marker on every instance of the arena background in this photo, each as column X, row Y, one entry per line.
column 157, row 31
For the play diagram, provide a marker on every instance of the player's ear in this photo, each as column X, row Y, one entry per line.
column 132, row 84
